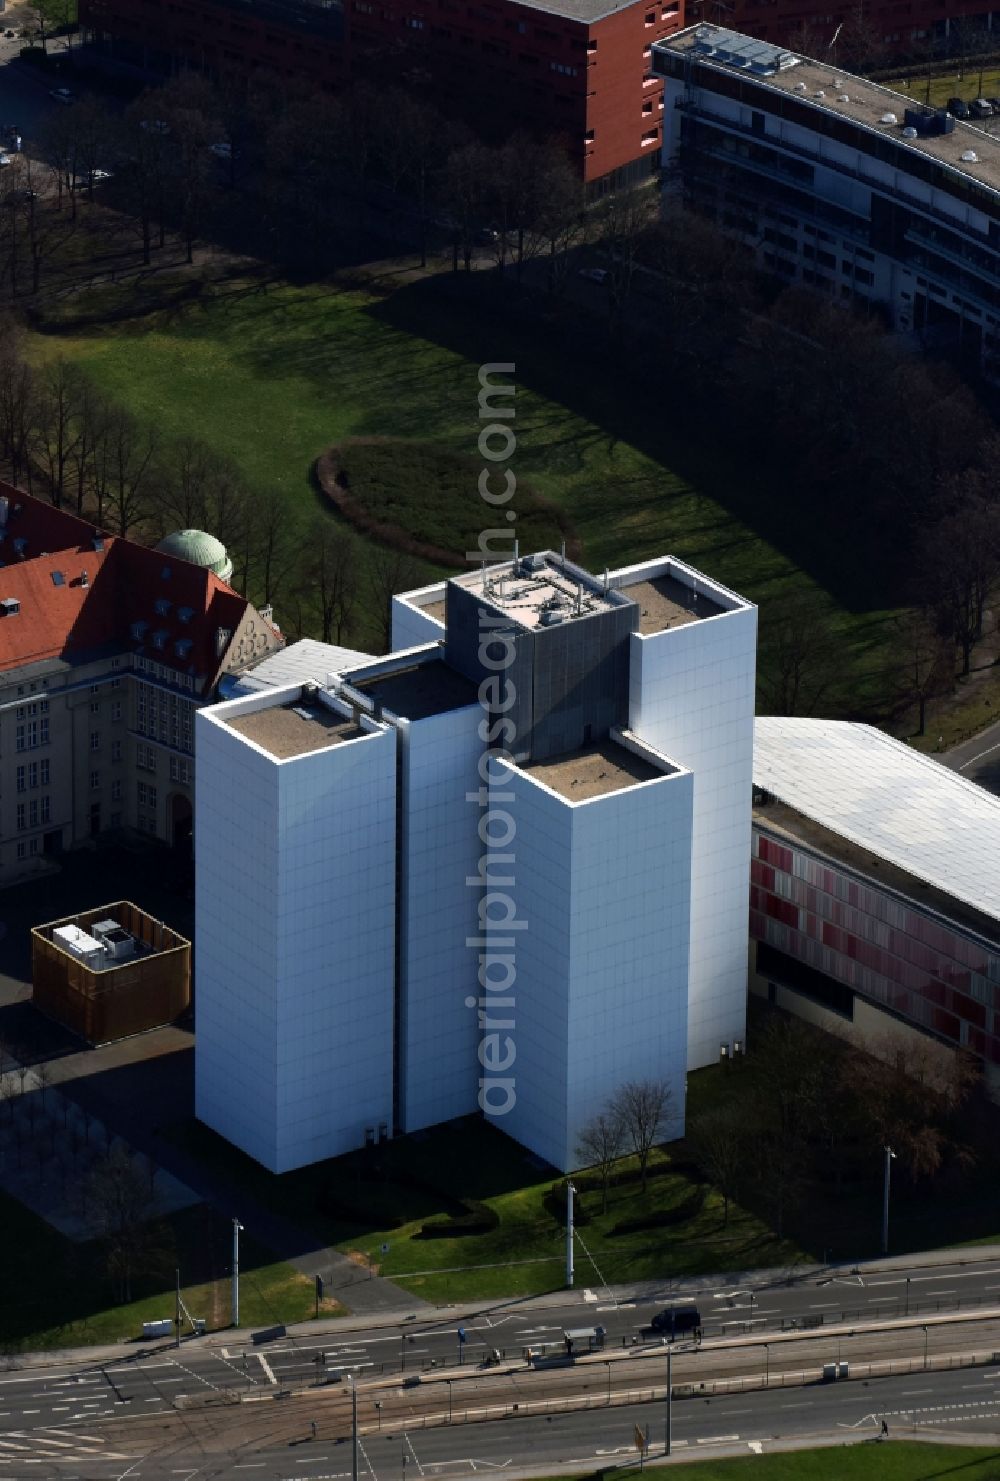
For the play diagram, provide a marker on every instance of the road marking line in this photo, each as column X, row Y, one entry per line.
column 756, row 1447
column 267, row 1368
column 409, row 1443
column 988, row 752
column 92, row 1439
column 717, row 1440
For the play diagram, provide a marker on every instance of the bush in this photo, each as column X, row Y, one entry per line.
column 476, row 1218
column 664, row 1218
column 555, row 1201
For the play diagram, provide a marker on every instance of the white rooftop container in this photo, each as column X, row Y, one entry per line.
column 79, row 944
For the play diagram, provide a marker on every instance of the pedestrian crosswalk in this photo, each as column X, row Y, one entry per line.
column 24, row 1447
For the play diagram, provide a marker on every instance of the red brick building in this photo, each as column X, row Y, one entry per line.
column 576, row 69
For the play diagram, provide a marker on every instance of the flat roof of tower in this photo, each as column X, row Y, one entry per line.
column 419, row 690
column 541, row 590
column 592, row 771
column 294, row 729
column 666, row 602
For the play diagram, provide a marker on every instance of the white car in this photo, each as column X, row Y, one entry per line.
column 62, row 95
column 4, row 160
column 594, row 274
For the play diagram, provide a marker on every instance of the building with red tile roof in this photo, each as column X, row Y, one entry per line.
column 107, row 648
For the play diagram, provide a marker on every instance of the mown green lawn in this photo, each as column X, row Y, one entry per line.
column 272, row 373
column 896, row 1461
column 384, row 1197
column 972, row 83
column 58, row 1294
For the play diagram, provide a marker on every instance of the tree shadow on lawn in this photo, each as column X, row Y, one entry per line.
column 576, row 367
column 57, row 1285
column 406, row 389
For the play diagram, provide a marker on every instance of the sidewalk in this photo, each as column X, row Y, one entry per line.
column 647, row 1290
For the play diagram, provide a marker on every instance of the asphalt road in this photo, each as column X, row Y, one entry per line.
column 92, row 1411
column 965, row 1401
column 978, row 759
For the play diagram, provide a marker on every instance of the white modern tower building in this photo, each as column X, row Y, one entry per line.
column 296, row 809
column 505, row 868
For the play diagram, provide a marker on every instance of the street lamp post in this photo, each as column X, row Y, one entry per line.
column 767, row 1365
column 449, row 1401
column 609, row 1383
column 925, row 1349
column 907, row 1296
column 237, row 1226
column 354, row 1430
column 889, row 1157
column 570, row 1191
column 670, row 1397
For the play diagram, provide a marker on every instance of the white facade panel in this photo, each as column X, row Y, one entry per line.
column 438, row 914
column 538, row 950
column 411, row 625
column 692, row 698
column 295, row 939
column 603, row 887
column 336, row 943
column 237, row 849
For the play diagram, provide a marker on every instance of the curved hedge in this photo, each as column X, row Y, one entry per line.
column 664, row 1218
column 476, row 1218
column 424, row 500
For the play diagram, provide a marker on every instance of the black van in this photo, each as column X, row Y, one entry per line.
column 676, row 1319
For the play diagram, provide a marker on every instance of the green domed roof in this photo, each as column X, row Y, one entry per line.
column 200, row 549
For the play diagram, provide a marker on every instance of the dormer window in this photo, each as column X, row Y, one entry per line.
column 160, row 638
column 184, row 614
column 138, row 631
column 163, row 605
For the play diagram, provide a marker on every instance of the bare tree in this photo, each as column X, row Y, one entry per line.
column 719, row 1140
column 272, row 543
column 599, row 1145
column 798, row 655
column 389, row 572
column 643, row 1108
column 119, row 1203
column 907, row 1090
column 923, row 661
column 624, row 220
column 331, row 571
column 92, row 417
column 128, row 452
column 17, row 396
column 57, row 427
column 959, row 558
